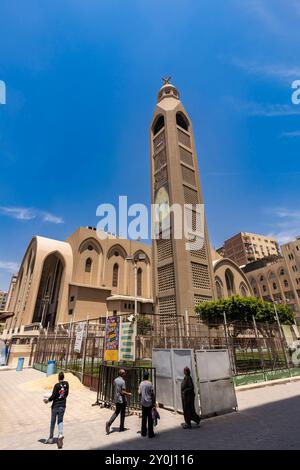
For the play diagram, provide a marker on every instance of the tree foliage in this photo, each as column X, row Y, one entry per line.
column 143, row 324
column 243, row 309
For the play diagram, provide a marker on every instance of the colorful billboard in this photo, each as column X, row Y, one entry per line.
column 111, row 351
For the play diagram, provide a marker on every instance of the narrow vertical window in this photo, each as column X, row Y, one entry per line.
column 139, row 282
column 88, row 265
column 115, row 275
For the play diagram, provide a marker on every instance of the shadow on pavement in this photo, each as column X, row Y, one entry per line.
column 274, row 425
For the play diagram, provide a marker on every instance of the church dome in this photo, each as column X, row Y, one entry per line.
column 167, row 90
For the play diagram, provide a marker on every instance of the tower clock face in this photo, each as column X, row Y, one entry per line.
column 162, row 204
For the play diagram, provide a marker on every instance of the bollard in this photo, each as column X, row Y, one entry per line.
column 51, row 368
column 20, row 364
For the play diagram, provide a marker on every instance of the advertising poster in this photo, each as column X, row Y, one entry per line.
column 127, row 341
column 111, row 351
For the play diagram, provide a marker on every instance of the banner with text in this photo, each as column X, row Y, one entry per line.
column 127, row 341
column 111, row 352
column 80, row 328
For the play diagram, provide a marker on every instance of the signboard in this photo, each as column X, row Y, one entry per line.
column 111, row 348
column 127, row 341
column 79, row 336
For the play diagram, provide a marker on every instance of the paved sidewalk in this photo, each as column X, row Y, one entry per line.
column 268, row 418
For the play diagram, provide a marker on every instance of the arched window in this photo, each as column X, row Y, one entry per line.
column 115, row 278
column 282, row 272
column 286, row 284
column 243, row 290
column 182, row 121
column 274, row 285
column 139, row 282
column 159, row 124
column 219, row 288
column 229, row 282
column 88, row 265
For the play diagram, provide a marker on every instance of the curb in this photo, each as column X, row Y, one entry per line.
column 7, row 368
column 243, row 388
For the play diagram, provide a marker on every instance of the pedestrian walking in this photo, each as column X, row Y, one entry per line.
column 119, row 400
column 146, row 393
column 188, row 400
column 59, row 401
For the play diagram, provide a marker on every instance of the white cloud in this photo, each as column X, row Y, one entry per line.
column 256, row 109
column 24, row 213
column 291, row 134
column 287, row 224
column 259, row 11
column 52, row 218
column 281, row 72
column 262, row 109
column 20, row 213
column 9, row 266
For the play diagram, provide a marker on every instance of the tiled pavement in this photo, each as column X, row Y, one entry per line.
column 268, row 418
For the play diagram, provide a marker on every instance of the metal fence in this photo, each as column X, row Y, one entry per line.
column 253, row 346
column 134, row 376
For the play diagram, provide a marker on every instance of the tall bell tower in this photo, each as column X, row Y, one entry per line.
column 181, row 278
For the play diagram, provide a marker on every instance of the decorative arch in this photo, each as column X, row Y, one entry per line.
column 90, row 244
column 243, row 290
column 229, row 279
column 141, row 252
column 254, row 286
column 49, row 290
column 182, row 121
column 116, row 250
column 219, row 288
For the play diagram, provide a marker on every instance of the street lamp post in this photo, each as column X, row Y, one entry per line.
column 135, row 259
column 46, row 300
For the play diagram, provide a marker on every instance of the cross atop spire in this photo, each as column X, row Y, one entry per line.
column 166, row 80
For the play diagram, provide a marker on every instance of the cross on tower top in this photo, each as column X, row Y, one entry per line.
column 166, row 80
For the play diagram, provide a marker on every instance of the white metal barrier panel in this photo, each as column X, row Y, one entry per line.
column 161, row 360
column 211, row 374
column 216, row 387
column 169, row 364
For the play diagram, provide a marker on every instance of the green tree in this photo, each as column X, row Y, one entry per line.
column 243, row 309
column 143, row 324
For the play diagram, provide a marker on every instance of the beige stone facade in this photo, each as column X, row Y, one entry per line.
column 83, row 277
column 271, row 280
column 245, row 247
column 181, row 278
column 229, row 278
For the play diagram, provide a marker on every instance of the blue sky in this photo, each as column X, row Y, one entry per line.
column 82, row 78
